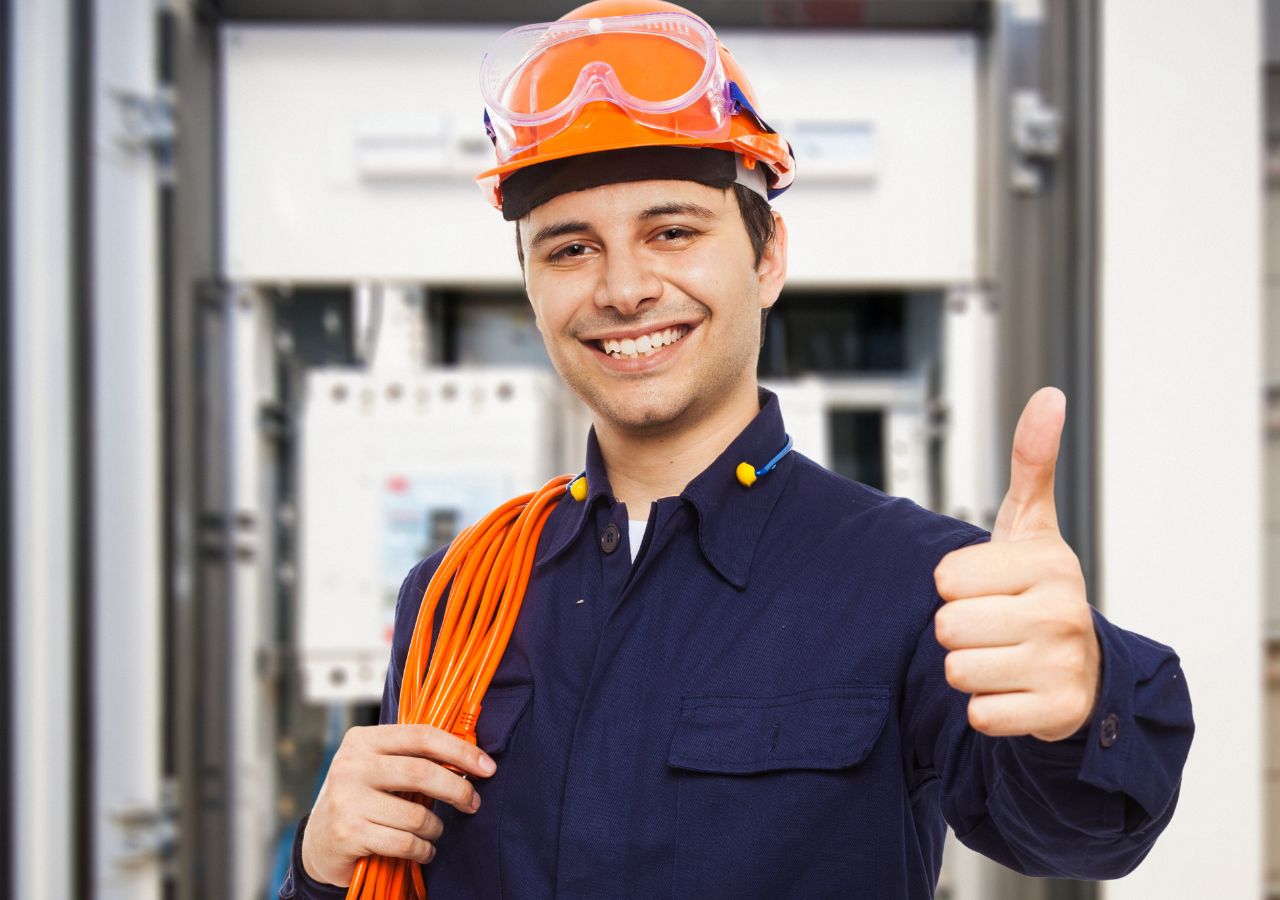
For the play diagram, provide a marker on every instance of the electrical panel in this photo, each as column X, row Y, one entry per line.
column 391, row 467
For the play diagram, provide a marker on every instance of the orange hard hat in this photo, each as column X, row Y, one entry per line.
column 621, row 74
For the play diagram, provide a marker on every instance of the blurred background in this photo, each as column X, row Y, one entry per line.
column 265, row 346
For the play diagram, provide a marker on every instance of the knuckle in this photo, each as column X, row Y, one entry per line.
column 340, row 765
column 423, row 820
column 1065, row 564
column 943, row 626
column 342, row 831
column 979, row 716
column 942, row 579
column 1073, row 660
column 1080, row 714
column 433, row 827
column 465, row 792
column 403, row 844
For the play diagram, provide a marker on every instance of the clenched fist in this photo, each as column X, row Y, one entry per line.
column 1016, row 619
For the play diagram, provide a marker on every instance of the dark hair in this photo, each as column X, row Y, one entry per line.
column 757, row 215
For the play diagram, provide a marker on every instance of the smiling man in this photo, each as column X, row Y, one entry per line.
column 736, row 674
column 649, row 297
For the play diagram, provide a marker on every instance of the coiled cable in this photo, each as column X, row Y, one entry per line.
column 486, row 571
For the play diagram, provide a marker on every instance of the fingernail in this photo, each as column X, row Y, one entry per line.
column 431, row 854
column 487, row 765
column 475, row 800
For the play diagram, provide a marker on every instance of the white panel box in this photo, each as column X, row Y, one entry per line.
column 350, row 152
column 391, row 467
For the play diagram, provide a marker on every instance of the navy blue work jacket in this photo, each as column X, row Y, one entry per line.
column 757, row 708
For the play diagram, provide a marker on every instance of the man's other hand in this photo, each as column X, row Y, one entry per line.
column 1016, row 619
column 358, row 812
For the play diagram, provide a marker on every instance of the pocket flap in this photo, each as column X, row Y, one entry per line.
column 826, row 728
column 499, row 712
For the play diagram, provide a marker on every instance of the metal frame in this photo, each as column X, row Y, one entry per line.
column 7, row 298
column 933, row 15
column 84, row 594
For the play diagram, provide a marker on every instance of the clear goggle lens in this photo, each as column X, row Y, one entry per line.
column 662, row 69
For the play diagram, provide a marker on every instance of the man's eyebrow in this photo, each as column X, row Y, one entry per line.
column 555, row 230
column 677, row 209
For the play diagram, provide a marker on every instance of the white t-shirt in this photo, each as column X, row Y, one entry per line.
column 635, row 532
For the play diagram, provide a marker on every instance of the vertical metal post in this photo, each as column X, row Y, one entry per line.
column 130, row 137
column 206, row 822
column 7, row 295
column 43, row 391
column 251, row 501
column 85, row 594
column 192, row 735
column 236, row 756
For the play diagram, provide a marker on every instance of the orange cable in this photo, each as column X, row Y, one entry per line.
column 485, row 572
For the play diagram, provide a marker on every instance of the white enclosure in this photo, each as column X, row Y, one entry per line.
column 393, row 465
column 350, row 154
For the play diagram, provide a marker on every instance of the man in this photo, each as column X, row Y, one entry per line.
column 736, row 674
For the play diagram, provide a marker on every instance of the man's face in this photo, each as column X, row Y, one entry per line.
column 648, row 298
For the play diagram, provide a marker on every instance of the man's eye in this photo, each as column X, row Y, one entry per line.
column 572, row 251
column 675, row 235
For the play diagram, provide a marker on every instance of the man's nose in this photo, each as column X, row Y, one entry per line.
column 629, row 282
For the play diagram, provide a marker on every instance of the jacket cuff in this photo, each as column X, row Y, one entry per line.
column 298, row 885
column 1138, row 737
column 1142, row 726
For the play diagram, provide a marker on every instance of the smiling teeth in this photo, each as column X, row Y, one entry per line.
column 629, row 348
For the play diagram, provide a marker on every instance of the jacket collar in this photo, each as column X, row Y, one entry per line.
column 731, row 517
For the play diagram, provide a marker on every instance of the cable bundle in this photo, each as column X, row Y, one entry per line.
column 489, row 565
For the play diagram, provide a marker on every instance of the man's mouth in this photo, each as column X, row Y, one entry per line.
column 643, row 345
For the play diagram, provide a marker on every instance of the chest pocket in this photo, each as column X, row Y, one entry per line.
column 775, row 794
column 500, row 710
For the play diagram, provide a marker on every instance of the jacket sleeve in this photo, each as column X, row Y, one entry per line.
column 298, row 885
column 1089, row 806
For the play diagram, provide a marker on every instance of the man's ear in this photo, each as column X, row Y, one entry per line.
column 772, row 271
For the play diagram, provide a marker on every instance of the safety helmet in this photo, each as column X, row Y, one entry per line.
column 617, row 75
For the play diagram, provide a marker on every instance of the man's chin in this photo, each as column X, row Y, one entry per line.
column 641, row 417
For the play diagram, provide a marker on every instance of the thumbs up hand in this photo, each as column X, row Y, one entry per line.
column 1016, row 618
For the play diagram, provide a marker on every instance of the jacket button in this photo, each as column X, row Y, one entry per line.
column 1110, row 730
column 609, row 538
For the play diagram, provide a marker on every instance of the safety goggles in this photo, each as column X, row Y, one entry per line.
column 662, row 69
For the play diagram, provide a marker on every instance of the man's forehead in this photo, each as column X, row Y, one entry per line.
column 631, row 200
